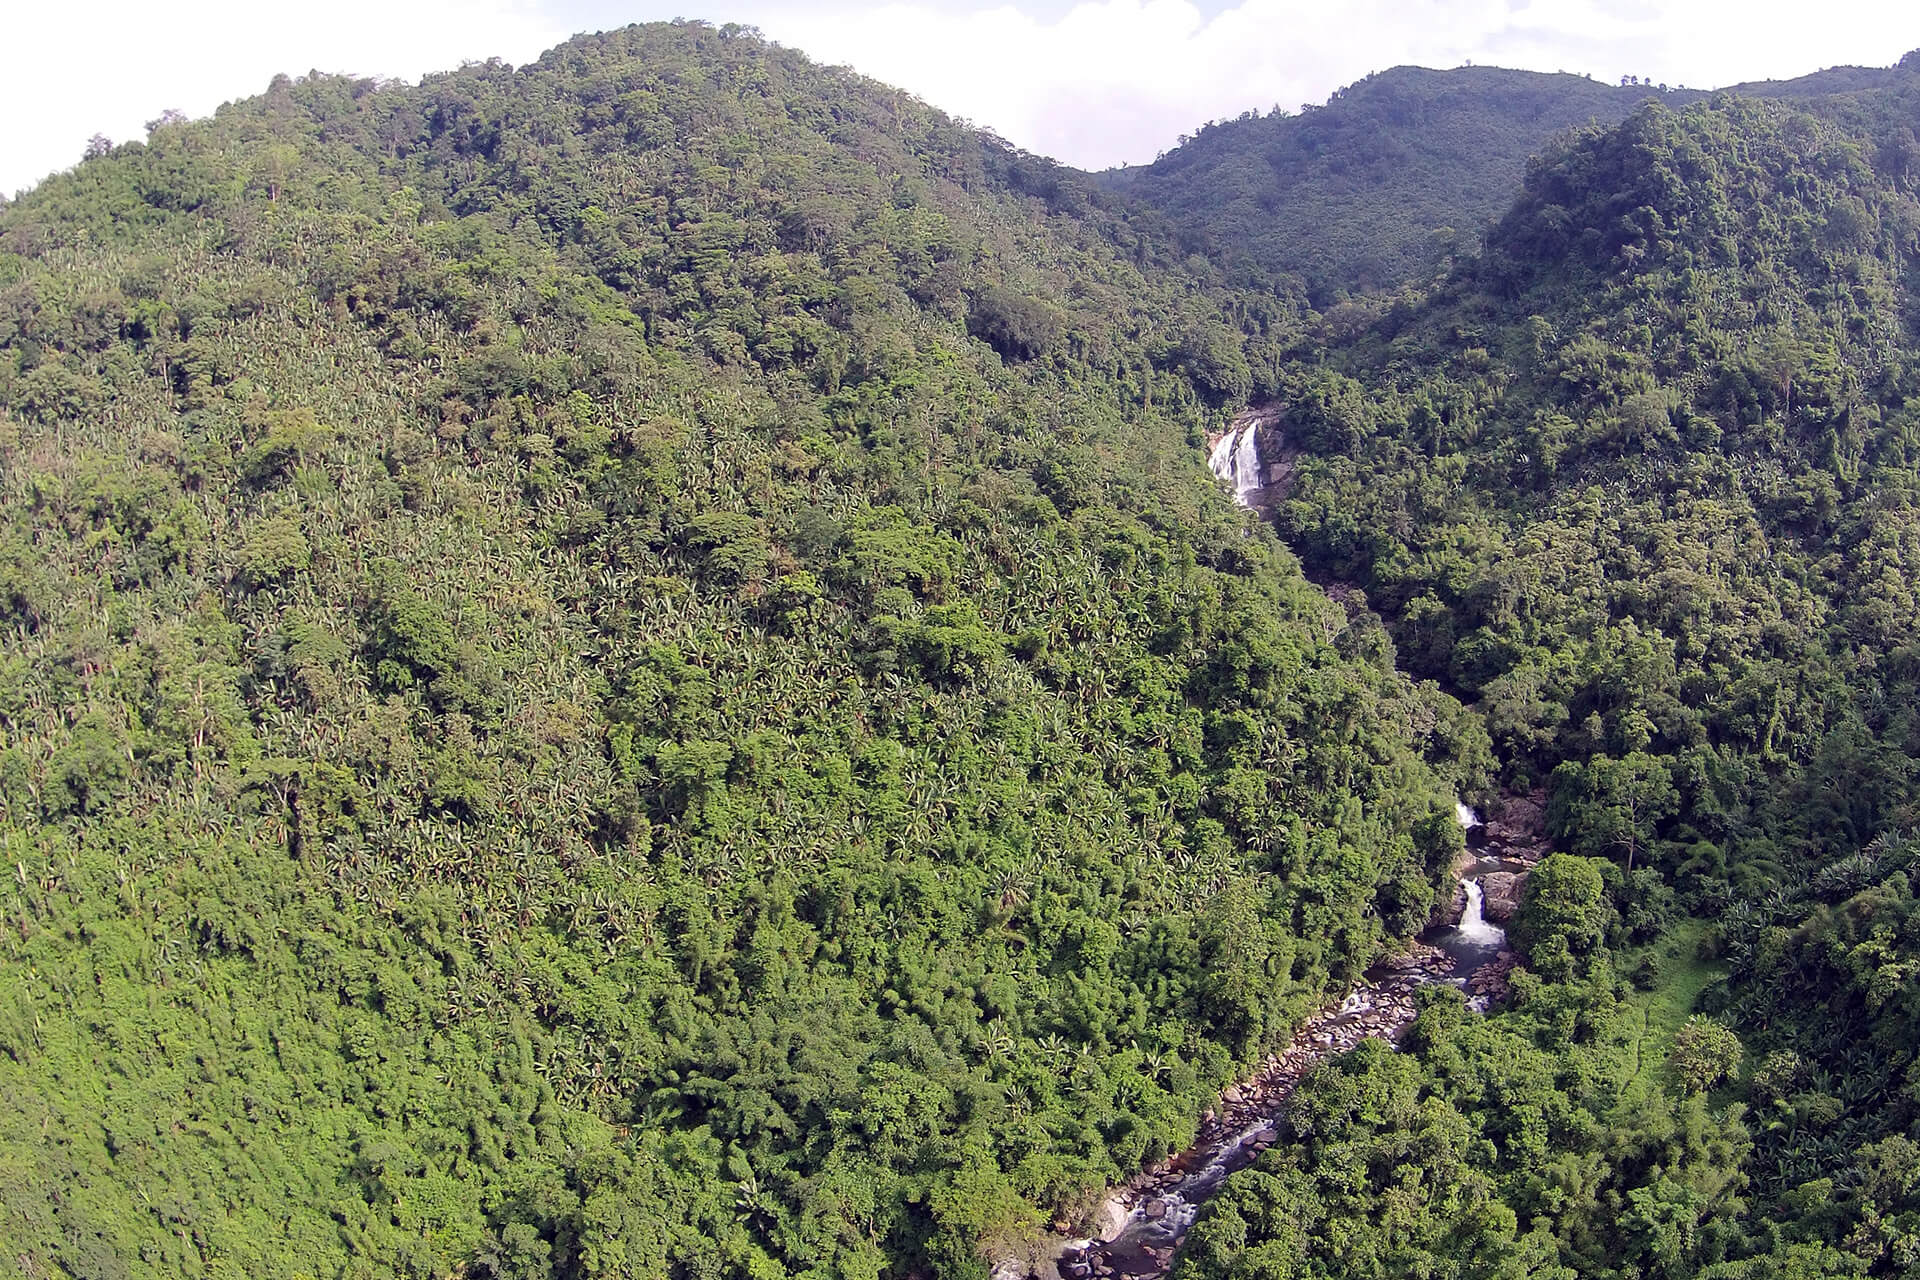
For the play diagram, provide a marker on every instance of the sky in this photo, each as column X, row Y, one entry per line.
column 1091, row 82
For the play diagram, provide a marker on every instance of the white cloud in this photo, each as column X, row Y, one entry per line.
column 1116, row 81
column 70, row 70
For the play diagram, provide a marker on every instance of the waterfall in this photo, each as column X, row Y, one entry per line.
column 1221, row 459
column 1473, row 924
column 1246, row 464
column 1236, row 459
column 1464, row 812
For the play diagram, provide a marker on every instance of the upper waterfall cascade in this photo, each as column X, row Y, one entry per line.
column 1236, row 459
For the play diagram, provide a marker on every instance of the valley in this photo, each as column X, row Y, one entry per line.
column 670, row 663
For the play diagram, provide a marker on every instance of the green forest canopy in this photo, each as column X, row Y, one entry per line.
column 627, row 667
column 630, row 667
column 1637, row 484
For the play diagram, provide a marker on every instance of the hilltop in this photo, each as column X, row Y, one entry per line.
column 631, row 666
column 1397, row 174
column 1378, row 187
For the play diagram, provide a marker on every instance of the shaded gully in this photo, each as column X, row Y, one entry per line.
column 1141, row 1224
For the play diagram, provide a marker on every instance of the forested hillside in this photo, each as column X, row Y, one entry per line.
column 1400, row 173
column 631, row 668
column 1382, row 184
column 1639, row 484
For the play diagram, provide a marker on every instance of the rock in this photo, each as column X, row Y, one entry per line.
column 1516, row 827
column 1502, row 890
column 1111, row 1218
column 1231, row 1095
column 1448, row 913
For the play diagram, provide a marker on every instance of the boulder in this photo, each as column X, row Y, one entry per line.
column 1502, row 890
column 1516, row 826
column 1111, row 1219
column 1447, row 914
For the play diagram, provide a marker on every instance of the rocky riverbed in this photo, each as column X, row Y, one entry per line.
column 1141, row 1224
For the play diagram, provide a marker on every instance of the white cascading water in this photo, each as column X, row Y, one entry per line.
column 1246, row 464
column 1221, row 459
column 1464, row 812
column 1236, row 460
column 1474, row 926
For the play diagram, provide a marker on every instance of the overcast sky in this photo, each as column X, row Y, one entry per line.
column 1094, row 83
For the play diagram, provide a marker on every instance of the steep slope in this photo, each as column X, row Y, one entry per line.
column 1642, row 482
column 629, row 667
column 1379, row 186
column 1400, row 172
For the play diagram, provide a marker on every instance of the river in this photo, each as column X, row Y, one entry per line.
column 1143, row 1223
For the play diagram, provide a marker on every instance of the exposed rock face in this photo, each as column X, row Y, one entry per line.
column 1447, row 914
column 1253, row 457
column 1502, row 890
column 1517, row 826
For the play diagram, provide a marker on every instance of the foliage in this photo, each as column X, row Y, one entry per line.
column 1510, row 1146
column 630, row 667
column 1704, row 1054
column 1381, row 185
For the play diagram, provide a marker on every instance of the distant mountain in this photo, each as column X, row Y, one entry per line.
column 1378, row 186
column 1397, row 172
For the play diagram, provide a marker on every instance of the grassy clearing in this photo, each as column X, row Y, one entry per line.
column 1650, row 1018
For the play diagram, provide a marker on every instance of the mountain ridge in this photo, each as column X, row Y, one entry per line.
column 1397, row 173
column 626, row 664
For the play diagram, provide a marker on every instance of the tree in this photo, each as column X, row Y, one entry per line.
column 1704, row 1054
column 1017, row 326
column 1612, row 807
column 1563, row 905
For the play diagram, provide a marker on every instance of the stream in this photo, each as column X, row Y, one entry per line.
column 1143, row 1222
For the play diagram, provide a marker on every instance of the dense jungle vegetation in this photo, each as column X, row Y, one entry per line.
column 1397, row 175
column 1639, row 484
column 631, row 668
column 1380, row 185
